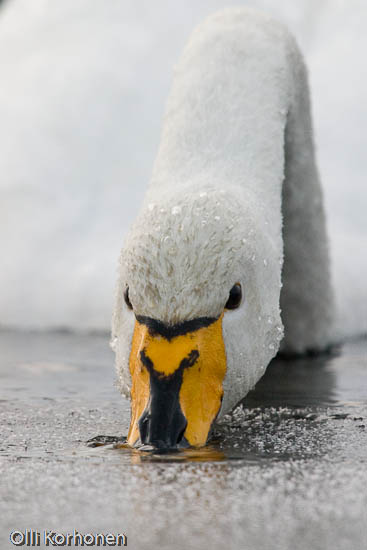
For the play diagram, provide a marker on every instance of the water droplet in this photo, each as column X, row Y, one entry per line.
column 253, row 257
column 265, row 262
column 172, row 251
column 217, row 218
column 270, row 321
column 113, row 343
column 203, row 194
column 176, row 210
column 162, row 211
column 203, row 223
column 244, row 241
column 271, row 346
column 151, row 206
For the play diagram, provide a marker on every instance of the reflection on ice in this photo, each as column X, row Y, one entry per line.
column 295, row 412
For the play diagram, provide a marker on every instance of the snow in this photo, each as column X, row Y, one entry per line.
column 83, row 89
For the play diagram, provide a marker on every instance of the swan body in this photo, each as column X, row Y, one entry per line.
column 234, row 198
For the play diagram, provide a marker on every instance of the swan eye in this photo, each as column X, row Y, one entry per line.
column 127, row 299
column 235, row 297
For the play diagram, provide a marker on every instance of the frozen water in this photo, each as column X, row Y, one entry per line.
column 286, row 471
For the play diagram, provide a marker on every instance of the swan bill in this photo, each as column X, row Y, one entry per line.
column 177, row 381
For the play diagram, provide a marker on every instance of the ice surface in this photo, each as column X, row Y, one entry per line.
column 83, row 89
column 287, row 473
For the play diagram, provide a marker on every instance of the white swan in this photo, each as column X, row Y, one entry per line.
column 235, row 165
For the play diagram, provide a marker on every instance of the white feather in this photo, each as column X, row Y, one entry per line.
column 236, row 154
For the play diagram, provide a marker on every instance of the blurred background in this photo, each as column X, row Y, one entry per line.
column 82, row 94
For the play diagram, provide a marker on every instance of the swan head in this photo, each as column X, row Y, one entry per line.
column 197, row 317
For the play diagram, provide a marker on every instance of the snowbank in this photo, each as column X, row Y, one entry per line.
column 82, row 94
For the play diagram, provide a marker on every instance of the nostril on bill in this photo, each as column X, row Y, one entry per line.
column 163, row 423
column 162, row 431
